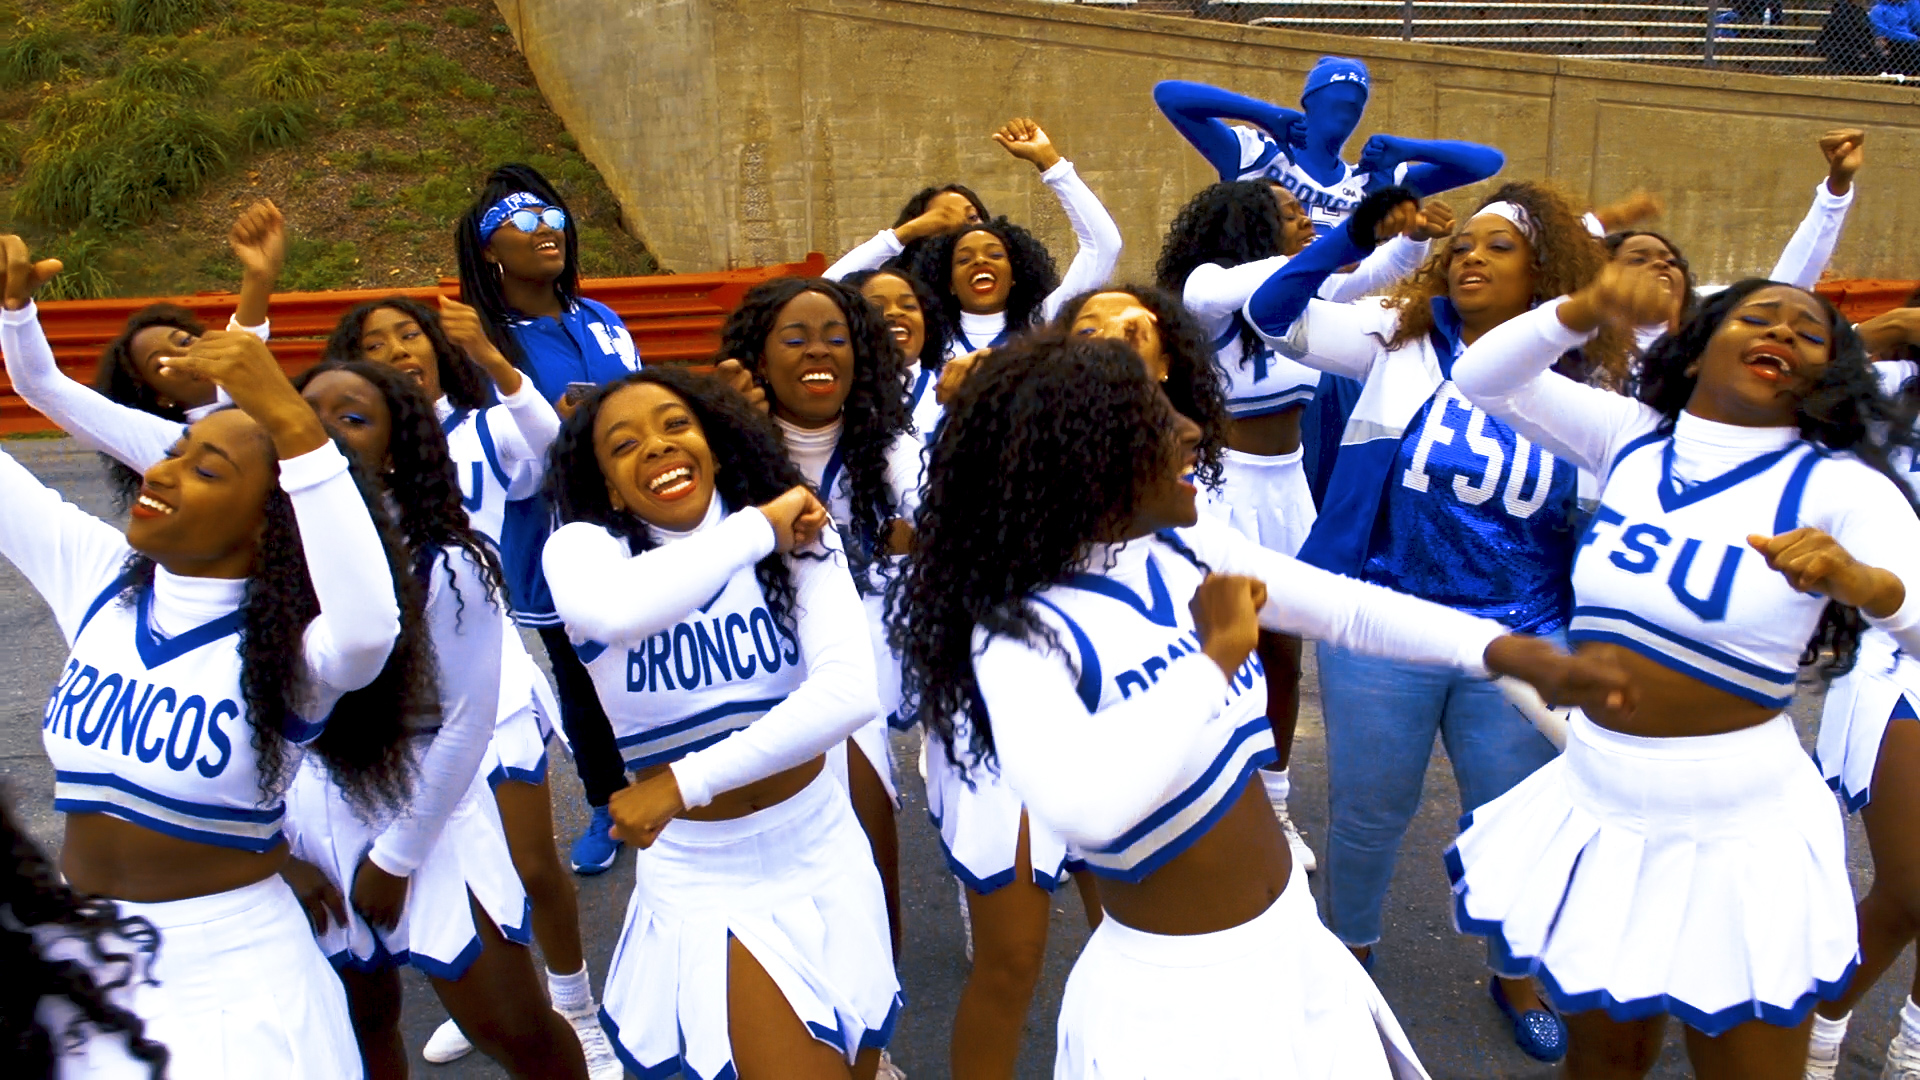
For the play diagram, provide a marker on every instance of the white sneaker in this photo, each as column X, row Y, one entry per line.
column 966, row 919
column 1903, row 1059
column 888, row 1070
column 1302, row 854
column 601, row 1062
column 448, row 1043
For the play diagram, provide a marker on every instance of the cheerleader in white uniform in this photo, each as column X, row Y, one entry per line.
column 836, row 385
column 433, row 887
column 1687, row 859
column 709, row 596
column 250, row 595
column 499, row 455
column 1055, row 623
column 1224, row 243
column 913, row 317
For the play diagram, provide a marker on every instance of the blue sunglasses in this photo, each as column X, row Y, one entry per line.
column 527, row 221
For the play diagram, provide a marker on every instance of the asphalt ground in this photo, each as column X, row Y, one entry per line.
column 1432, row 976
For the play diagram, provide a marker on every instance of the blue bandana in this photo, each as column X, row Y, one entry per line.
column 499, row 212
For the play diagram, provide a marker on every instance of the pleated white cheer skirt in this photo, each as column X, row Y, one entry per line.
column 1860, row 705
column 1275, row 998
column 436, row 933
column 517, row 753
column 240, row 992
column 979, row 825
column 795, row 884
column 1266, row 499
column 1702, row 877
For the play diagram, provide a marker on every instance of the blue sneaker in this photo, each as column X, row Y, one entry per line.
column 1539, row 1033
column 593, row 851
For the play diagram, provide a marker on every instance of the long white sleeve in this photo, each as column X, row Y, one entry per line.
column 1508, row 373
column 1380, row 270
column 347, row 644
column 1091, row 776
column 605, row 594
column 1215, row 293
column 1810, row 249
column 867, row 255
column 1093, row 230
column 1345, row 339
column 1309, row 602
column 468, row 628
column 529, row 428
column 135, row 438
column 66, row 553
column 838, row 695
column 1868, row 514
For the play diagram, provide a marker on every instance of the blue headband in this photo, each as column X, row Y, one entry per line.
column 499, row 212
column 1336, row 69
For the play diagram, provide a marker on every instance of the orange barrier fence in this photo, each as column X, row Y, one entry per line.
column 671, row 317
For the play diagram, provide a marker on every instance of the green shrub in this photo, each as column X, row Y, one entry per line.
column 287, row 76
column 10, row 152
column 464, row 18
column 314, row 265
column 158, row 16
column 274, row 124
column 82, row 275
column 166, row 75
column 113, row 160
column 362, row 197
column 35, row 56
column 378, row 160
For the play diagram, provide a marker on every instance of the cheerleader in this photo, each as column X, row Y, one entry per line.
column 518, row 254
column 1433, row 497
column 251, row 594
column 711, row 600
column 1687, row 860
column 1066, row 618
column 131, row 369
column 912, row 313
column 837, row 384
column 1864, row 753
column 930, row 213
column 1224, row 243
column 499, row 455
column 994, row 278
column 433, row 887
column 1300, row 151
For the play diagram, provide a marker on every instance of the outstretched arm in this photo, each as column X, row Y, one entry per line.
column 1435, row 165
column 1810, row 249
column 1197, row 112
column 1282, row 298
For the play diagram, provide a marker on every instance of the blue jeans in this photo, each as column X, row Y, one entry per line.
column 1381, row 716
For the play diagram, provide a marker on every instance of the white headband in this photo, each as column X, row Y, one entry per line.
column 1516, row 214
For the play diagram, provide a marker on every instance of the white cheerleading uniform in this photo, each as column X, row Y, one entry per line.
column 1703, row 877
column 1329, row 205
column 697, row 674
column 1131, row 743
column 1884, row 684
column 449, row 841
column 149, row 724
column 818, row 455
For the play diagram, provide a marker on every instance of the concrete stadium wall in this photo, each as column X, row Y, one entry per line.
column 745, row 132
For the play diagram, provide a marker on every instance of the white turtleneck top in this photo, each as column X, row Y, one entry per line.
column 1665, row 568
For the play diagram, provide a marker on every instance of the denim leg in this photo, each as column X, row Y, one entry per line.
column 1492, row 746
column 1380, row 716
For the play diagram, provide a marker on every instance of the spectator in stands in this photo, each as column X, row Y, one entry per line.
column 1896, row 28
column 1849, row 41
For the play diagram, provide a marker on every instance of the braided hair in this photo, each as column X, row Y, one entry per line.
column 480, row 280
column 464, row 383
column 753, row 468
column 1843, row 411
column 110, row 953
column 875, row 413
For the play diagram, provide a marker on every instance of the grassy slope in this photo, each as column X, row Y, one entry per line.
column 411, row 103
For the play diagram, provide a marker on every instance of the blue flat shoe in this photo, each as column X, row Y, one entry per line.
column 593, row 851
column 1537, row 1032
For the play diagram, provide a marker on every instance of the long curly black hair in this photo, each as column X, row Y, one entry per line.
column 1045, row 451
column 363, row 745
column 464, row 383
column 876, row 409
column 423, row 481
column 1034, row 275
column 1843, row 411
column 933, row 350
column 1193, row 381
column 753, row 467
column 107, row 953
column 917, row 205
column 1228, row 224
column 480, row 280
column 118, row 379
